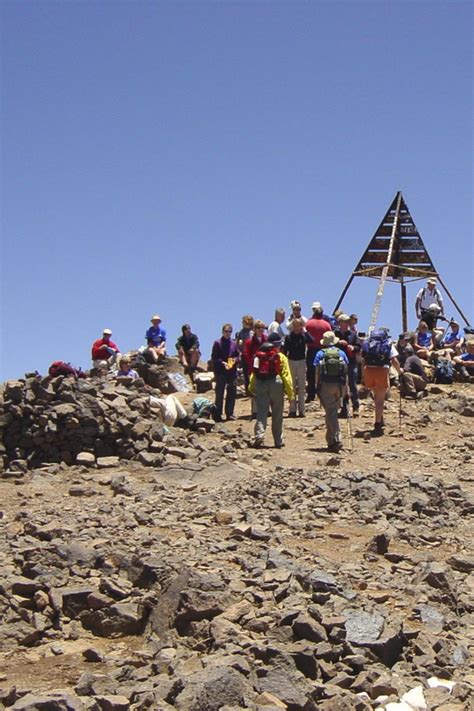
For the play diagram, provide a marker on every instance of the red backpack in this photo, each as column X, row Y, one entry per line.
column 266, row 363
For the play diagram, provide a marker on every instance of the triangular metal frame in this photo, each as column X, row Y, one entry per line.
column 396, row 253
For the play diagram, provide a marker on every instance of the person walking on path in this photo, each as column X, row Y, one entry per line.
column 331, row 365
column 379, row 354
column 225, row 357
column 351, row 345
column 269, row 381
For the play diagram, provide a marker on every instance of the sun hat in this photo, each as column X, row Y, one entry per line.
column 274, row 339
column 329, row 339
column 295, row 304
column 107, row 332
column 316, row 305
column 155, row 318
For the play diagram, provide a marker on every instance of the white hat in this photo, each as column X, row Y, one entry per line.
column 295, row 304
column 431, row 280
column 329, row 339
column 316, row 305
column 155, row 318
column 107, row 332
column 434, row 307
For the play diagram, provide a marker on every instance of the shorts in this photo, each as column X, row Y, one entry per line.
column 375, row 377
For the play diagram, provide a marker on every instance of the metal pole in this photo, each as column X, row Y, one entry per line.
column 344, row 292
column 404, row 305
column 452, row 300
column 383, row 277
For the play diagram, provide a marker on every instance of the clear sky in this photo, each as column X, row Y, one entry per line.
column 202, row 160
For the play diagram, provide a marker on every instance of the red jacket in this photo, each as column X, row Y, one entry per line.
column 251, row 346
column 316, row 327
column 99, row 349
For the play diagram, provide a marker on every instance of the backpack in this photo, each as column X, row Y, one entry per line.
column 332, row 366
column 376, row 348
column 59, row 367
column 444, row 373
column 266, row 363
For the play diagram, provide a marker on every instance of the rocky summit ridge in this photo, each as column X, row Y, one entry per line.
column 153, row 567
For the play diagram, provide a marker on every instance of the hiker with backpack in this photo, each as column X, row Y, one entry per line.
column 294, row 348
column 426, row 298
column 350, row 343
column 269, row 381
column 331, row 364
column 225, row 357
column 379, row 354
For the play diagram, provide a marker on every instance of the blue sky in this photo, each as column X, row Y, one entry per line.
column 204, row 160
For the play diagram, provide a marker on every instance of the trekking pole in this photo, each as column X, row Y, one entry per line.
column 349, row 424
column 400, row 409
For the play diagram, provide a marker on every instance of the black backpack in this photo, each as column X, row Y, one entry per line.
column 376, row 348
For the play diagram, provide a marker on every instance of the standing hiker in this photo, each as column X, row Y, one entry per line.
column 426, row 298
column 316, row 326
column 269, row 381
column 331, row 365
column 350, row 343
column 379, row 354
column 295, row 350
column 225, row 357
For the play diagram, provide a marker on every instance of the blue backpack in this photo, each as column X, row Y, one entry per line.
column 376, row 348
column 444, row 373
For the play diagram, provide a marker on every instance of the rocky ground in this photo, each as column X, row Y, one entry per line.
column 150, row 569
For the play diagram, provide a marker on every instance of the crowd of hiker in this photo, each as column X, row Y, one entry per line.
column 304, row 357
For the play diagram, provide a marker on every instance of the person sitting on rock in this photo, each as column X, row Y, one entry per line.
column 453, row 339
column 187, row 346
column 464, row 363
column 331, row 365
column 104, row 351
column 424, row 341
column 156, row 340
column 269, row 381
column 413, row 379
column 125, row 368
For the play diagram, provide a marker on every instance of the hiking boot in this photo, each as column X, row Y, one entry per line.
column 230, row 418
column 280, row 445
column 378, row 429
column 309, row 399
column 257, row 444
column 420, row 395
column 355, row 412
column 335, row 447
column 292, row 414
column 342, row 414
column 301, row 414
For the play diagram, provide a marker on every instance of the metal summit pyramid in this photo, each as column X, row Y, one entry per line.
column 395, row 253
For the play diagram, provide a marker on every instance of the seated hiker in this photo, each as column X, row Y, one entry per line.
column 424, row 341
column 295, row 313
column 426, row 299
column 331, row 364
column 241, row 336
column 351, row 345
column 104, row 351
column 464, row 363
column 379, row 354
column 156, row 340
column 294, row 348
column 269, row 381
column 225, row 357
column 452, row 340
column 413, row 379
column 125, row 368
column 187, row 346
